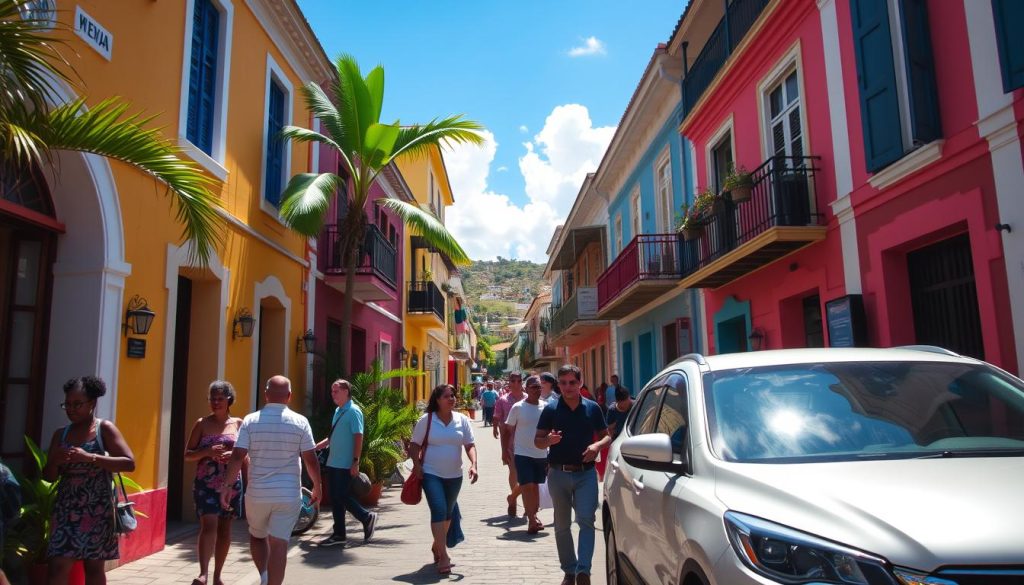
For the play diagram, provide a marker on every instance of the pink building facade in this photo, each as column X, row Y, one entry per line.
column 882, row 137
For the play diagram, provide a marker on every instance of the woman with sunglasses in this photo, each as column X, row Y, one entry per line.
column 84, row 454
column 441, row 467
column 210, row 445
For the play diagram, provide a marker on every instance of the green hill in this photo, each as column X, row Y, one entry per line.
column 499, row 291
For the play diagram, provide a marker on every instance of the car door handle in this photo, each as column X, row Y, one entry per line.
column 638, row 485
column 615, row 464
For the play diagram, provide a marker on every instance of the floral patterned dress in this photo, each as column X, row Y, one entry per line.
column 210, row 478
column 83, row 512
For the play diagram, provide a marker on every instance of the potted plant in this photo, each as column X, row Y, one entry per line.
column 466, row 401
column 739, row 183
column 689, row 223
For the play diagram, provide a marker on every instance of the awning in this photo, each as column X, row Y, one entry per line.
column 501, row 346
column 573, row 242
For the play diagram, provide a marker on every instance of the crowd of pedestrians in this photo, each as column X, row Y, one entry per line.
column 553, row 439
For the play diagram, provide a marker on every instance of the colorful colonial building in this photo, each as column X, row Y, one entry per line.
column 97, row 241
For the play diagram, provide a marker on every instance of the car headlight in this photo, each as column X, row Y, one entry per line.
column 790, row 556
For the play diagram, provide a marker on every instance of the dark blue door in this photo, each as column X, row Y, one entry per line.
column 646, row 343
column 627, row 368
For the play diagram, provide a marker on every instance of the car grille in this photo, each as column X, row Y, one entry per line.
column 984, row 575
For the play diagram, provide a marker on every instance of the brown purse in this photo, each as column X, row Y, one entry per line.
column 412, row 488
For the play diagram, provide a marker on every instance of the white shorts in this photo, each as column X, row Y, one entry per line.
column 274, row 518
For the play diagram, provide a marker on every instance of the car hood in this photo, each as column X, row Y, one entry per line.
column 921, row 513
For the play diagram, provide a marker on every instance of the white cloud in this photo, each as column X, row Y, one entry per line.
column 502, row 169
column 489, row 224
column 590, row 46
column 523, row 129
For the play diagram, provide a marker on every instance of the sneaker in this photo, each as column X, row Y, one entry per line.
column 582, row 579
column 369, row 526
column 332, row 540
column 569, row 579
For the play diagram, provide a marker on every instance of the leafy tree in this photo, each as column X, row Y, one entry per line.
column 34, row 123
column 351, row 126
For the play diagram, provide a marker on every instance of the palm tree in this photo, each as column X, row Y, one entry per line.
column 34, row 124
column 351, row 126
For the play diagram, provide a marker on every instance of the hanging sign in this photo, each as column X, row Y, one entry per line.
column 93, row 33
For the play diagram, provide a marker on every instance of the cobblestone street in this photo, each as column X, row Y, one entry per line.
column 496, row 550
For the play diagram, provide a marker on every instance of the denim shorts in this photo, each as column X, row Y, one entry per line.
column 531, row 469
column 441, row 494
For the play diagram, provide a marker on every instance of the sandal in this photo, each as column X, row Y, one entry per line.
column 445, row 569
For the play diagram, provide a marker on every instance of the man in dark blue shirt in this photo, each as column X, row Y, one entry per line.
column 568, row 428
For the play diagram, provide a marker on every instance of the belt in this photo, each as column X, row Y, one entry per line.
column 574, row 467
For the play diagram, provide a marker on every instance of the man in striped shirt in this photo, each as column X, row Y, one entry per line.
column 274, row 438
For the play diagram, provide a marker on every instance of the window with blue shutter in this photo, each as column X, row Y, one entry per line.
column 273, row 184
column 202, row 79
column 1009, row 18
column 876, row 80
column 925, row 124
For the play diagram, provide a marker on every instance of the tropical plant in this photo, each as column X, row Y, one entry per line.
column 35, row 122
column 738, row 177
column 387, row 419
column 351, row 125
column 703, row 202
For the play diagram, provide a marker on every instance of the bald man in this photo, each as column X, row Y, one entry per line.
column 274, row 438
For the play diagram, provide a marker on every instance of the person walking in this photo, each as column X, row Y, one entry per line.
column 209, row 445
column 489, row 398
column 609, row 392
column 275, row 438
column 548, row 387
column 85, row 454
column 530, row 461
column 501, row 410
column 440, row 469
column 346, row 444
column 615, row 417
column 568, row 428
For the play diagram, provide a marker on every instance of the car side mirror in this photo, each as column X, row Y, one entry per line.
column 652, row 451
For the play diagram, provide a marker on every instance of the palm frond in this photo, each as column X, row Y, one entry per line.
column 106, row 130
column 30, row 60
column 416, row 140
column 428, row 226
column 352, row 99
column 331, row 122
column 305, row 200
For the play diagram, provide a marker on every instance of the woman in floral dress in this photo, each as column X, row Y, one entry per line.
column 210, row 445
column 83, row 512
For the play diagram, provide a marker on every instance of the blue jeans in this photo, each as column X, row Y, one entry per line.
column 441, row 494
column 574, row 492
column 488, row 415
column 340, row 481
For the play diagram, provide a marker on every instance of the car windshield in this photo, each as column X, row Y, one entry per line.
column 864, row 410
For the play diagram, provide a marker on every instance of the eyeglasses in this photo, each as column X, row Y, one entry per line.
column 73, row 405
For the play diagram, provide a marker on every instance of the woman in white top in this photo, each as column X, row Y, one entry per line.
column 441, row 466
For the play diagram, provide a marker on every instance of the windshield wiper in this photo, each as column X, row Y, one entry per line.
column 947, row 454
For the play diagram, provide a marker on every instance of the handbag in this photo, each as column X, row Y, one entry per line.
column 324, row 453
column 412, row 488
column 125, row 521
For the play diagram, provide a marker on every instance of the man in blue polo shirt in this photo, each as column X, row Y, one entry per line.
column 346, row 444
column 568, row 427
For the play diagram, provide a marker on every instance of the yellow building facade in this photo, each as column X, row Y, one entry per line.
column 223, row 76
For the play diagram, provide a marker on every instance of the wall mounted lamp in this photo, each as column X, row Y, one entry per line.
column 305, row 343
column 403, row 355
column 758, row 340
column 138, row 318
column 243, row 324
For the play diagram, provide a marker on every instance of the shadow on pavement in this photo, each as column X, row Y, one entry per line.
column 522, row 536
column 503, row 520
column 428, row 574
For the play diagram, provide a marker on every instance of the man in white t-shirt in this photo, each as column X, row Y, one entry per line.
column 274, row 438
column 531, row 463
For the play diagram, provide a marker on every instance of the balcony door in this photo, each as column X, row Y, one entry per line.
column 785, row 128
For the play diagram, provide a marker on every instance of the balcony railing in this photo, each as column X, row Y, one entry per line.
column 782, row 196
column 377, row 255
column 425, row 297
column 646, row 257
column 573, row 310
column 740, row 16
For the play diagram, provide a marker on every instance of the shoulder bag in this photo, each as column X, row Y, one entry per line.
column 324, row 453
column 412, row 488
column 125, row 521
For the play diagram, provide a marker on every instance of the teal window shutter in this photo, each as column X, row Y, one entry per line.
column 275, row 145
column 1009, row 18
column 876, row 80
column 202, row 77
column 925, row 122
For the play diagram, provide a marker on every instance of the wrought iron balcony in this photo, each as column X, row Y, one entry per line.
column 376, row 268
column 426, row 298
column 740, row 16
column 577, row 316
column 645, row 269
column 779, row 218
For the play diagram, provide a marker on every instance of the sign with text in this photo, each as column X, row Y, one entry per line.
column 136, row 347
column 847, row 324
column 586, row 302
column 93, row 33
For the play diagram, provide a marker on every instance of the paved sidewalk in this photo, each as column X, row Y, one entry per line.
column 496, row 550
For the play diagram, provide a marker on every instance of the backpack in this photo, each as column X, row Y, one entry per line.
column 10, row 495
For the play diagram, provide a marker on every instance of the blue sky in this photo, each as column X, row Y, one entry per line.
column 508, row 65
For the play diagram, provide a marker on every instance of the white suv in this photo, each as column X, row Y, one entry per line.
column 900, row 466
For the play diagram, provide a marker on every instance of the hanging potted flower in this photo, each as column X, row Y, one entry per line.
column 739, row 183
column 689, row 223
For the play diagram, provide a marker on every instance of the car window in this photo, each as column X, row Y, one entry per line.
column 672, row 418
column 647, row 412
